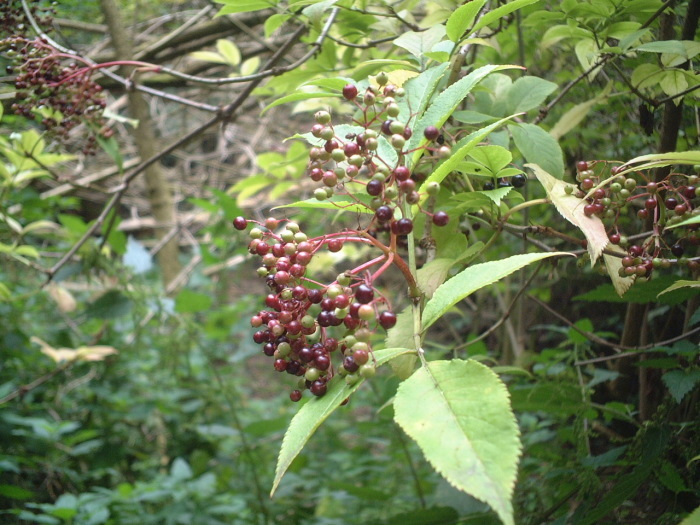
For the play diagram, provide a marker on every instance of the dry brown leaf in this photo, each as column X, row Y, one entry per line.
column 571, row 208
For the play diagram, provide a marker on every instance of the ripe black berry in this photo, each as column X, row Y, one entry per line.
column 518, row 181
column 364, row 294
column 402, row 226
column 441, row 218
column 295, row 395
column 387, row 320
column 431, row 133
column 383, row 214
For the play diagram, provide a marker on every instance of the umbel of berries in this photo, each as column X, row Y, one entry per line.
column 312, row 331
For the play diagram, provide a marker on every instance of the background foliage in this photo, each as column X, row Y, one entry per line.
column 127, row 399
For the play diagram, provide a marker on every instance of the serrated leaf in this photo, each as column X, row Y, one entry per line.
column 337, row 205
column 613, row 265
column 687, row 222
column 539, row 147
column 500, row 12
column 494, row 158
column 316, row 411
column 459, row 414
column 419, row 43
column 528, row 93
column 295, row 97
column 680, row 382
column 444, row 105
column 462, row 19
column 571, row 208
column 681, row 284
column 474, row 278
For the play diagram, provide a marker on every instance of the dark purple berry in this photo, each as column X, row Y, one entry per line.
column 441, row 218
column 431, row 133
column 364, row 294
column 240, row 223
column 349, row 91
column 387, row 320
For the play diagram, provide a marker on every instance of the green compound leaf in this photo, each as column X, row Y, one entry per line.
column 474, row 278
column 337, row 205
column 459, row 414
column 316, row 411
column 462, row 19
column 464, row 147
column 444, row 105
column 539, row 147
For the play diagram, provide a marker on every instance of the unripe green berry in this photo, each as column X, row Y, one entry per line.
column 338, row 155
column 433, row 188
column 334, row 290
column 256, row 233
column 363, row 335
column 368, row 370
column 390, row 192
column 322, row 117
column 630, row 184
column 344, row 279
column 397, row 127
column 366, row 312
column 444, row 152
column 382, row 78
column 370, row 134
column 349, row 340
column 262, row 271
column 360, row 346
column 393, row 110
column 341, row 313
column 312, row 374
column 352, row 379
column 356, row 160
column 371, row 144
column 398, row 142
column 308, row 321
column 287, row 236
column 320, row 194
column 568, row 189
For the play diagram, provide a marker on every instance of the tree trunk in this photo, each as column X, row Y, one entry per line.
column 159, row 193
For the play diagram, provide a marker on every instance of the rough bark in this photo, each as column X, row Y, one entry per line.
column 159, row 192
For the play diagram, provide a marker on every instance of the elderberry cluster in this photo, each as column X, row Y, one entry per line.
column 296, row 327
column 344, row 163
column 53, row 87
column 659, row 204
column 13, row 19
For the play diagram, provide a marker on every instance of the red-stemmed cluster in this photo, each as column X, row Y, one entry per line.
column 658, row 204
column 56, row 89
column 306, row 323
column 342, row 164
